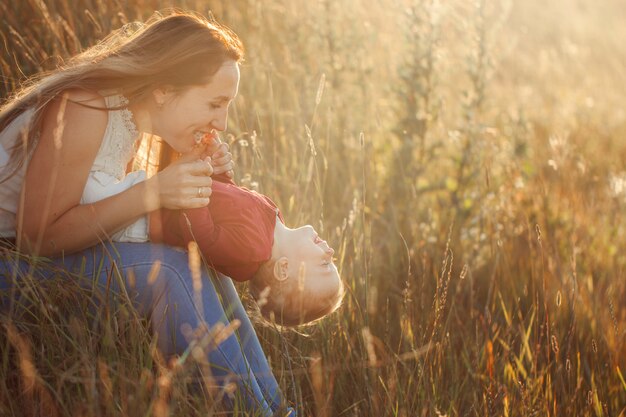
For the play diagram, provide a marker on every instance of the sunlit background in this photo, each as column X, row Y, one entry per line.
column 467, row 159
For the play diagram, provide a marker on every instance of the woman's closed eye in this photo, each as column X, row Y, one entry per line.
column 219, row 104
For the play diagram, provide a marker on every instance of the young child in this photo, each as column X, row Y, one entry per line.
column 241, row 233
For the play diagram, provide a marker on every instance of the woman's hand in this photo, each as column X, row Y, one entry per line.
column 184, row 184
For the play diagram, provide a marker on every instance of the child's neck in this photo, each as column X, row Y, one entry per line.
column 280, row 239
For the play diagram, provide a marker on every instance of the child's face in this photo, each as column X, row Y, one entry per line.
column 311, row 264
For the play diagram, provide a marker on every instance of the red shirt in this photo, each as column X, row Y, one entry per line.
column 235, row 232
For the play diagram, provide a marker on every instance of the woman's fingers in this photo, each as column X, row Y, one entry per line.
column 196, row 203
column 196, row 197
column 199, row 168
column 192, row 197
column 199, row 191
column 196, row 153
column 185, row 185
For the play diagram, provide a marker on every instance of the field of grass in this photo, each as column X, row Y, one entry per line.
column 467, row 160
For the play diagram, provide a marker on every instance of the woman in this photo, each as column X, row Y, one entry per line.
column 174, row 78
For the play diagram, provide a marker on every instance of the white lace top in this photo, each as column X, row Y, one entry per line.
column 117, row 146
column 107, row 176
column 108, row 173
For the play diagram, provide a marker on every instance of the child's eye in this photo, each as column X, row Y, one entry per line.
column 215, row 106
column 327, row 262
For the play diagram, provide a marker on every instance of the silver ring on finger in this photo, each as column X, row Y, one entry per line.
column 200, row 192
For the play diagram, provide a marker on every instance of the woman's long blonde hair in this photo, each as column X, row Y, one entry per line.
column 175, row 48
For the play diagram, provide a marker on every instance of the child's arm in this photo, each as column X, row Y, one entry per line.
column 223, row 178
column 225, row 247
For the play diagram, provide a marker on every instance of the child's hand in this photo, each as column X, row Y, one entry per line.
column 221, row 159
column 210, row 148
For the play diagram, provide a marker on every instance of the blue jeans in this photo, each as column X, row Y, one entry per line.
column 169, row 302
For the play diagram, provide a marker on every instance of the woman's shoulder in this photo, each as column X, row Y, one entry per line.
column 78, row 103
column 91, row 100
column 82, row 115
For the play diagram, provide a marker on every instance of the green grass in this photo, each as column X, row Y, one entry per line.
column 465, row 159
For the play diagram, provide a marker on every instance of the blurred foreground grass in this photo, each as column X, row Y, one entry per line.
column 467, row 160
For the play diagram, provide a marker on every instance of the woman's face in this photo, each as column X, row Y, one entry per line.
column 197, row 111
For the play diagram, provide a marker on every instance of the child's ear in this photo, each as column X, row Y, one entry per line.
column 281, row 269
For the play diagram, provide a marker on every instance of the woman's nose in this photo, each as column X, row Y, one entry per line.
column 220, row 121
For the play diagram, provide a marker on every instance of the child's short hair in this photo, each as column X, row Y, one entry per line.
column 283, row 303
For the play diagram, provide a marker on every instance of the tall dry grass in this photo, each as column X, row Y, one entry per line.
column 467, row 160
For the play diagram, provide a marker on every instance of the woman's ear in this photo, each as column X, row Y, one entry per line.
column 281, row 269
column 162, row 94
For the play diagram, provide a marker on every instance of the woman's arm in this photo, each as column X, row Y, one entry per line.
column 51, row 219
